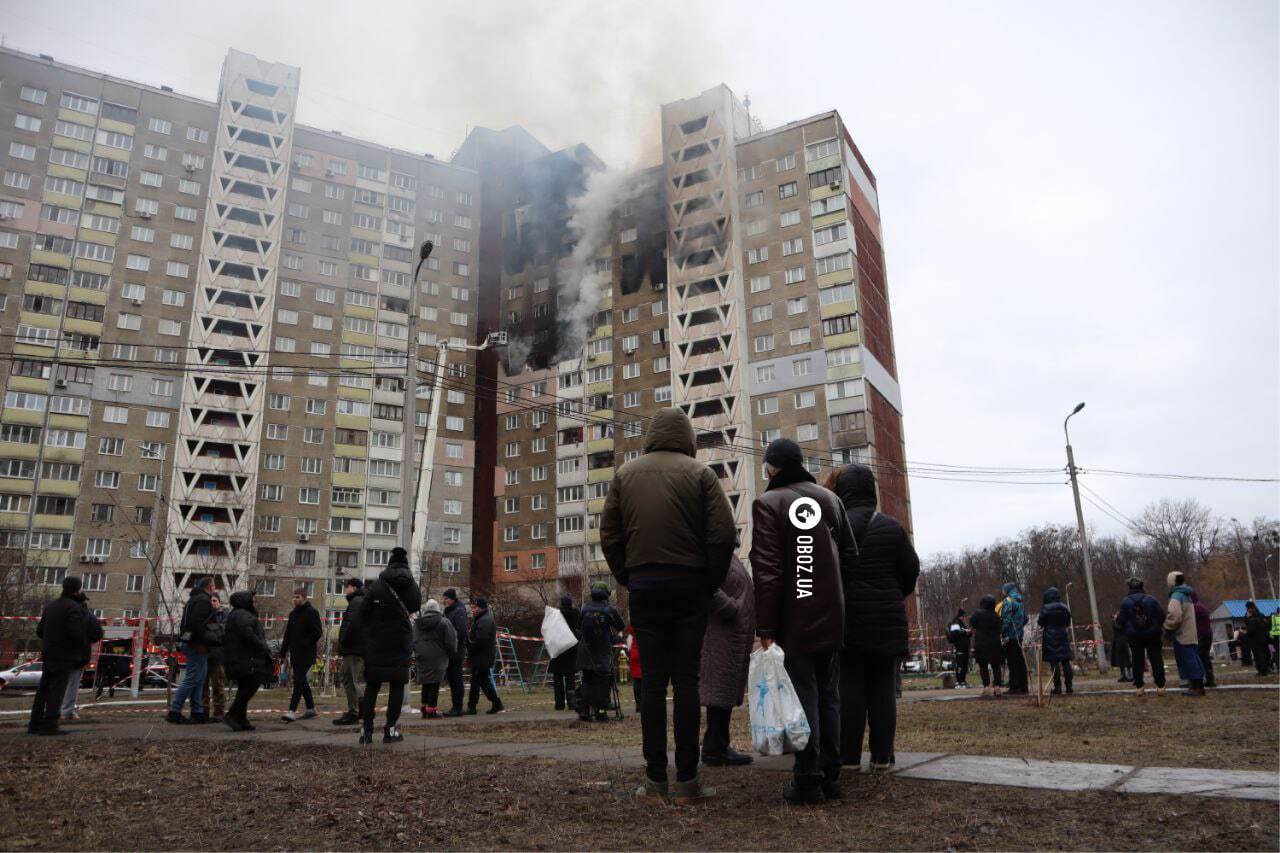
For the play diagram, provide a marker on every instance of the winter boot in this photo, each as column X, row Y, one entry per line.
column 176, row 718
column 691, row 793
column 347, row 719
column 831, row 789
column 392, row 735
column 366, row 733
column 806, row 793
column 651, row 791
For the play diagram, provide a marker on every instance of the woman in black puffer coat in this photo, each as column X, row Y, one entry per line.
column 987, row 650
column 385, row 614
column 1055, row 645
column 246, row 658
column 875, row 618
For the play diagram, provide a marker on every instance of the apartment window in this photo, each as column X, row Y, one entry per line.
column 806, row 399
column 759, row 283
column 785, row 163
column 107, row 479
column 839, row 293
column 17, row 180
column 845, row 389
column 827, row 205
column 26, row 122
column 169, row 327
column 839, row 325
column 186, row 214
column 795, row 275
column 787, row 190
column 843, row 356
column 767, row 406
column 177, row 269
column 801, row 367
column 753, row 199
column 793, row 246
column 768, row 436
column 831, row 234
column 758, row 255
column 310, row 495
column 196, row 134
column 761, row 313
column 763, row 343
column 800, row 337
column 22, row 151
column 97, row 581
column 33, row 95
column 114, row 414
column 662, row 394
column 273, row 461
column 142, row 234
column 313, row 435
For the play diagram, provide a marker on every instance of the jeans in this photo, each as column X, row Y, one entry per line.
column 369, row 705
column 245, row 689
column 301, row 688
column 350, row 673
column 816, row 679
column 716, row 739
column 1206, row 661
column 482, row 681
column 669, row 626
column 1151, row 648
column 1061, row 671
column 1187, row 657
column 47, row 705
column 430, row 695
column 1017, row 666
column 991, row 671
column 564, row 685
column 867, row 701
column 962, row 666
column 71, row 692
column 192, row 684
column 454, row 676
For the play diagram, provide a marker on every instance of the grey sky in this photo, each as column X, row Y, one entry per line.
column 1080, row 201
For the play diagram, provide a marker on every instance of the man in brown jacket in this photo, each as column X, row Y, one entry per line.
column 803, row 555
column 667, row 532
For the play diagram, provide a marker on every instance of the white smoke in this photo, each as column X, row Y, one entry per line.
column 581, row 286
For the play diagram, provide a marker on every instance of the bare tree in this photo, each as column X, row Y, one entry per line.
column 1179, row 534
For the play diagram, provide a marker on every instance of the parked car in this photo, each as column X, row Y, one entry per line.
column 24, row 676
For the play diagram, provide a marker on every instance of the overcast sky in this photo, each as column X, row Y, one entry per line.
column 1080, row 201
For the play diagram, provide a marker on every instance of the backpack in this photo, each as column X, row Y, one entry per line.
column 215, row 631
column 595, row 628
column 957, row 635
column 1141, row 618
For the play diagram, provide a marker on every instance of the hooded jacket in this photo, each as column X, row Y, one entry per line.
column 434, row 642
column 595, row 647
column 1135, row 603
column 482, row 641
column 1013, row 616
column 884, row 574
column 1055, row 619
column 301, row 633
column 245, row 653
column 1204, row 624
column 350, row 639
column 384, row 621
column 666, row 519
column 726, row 647
column 456, row 613
column 196, row 614
column 986, row 632
column 800, row 594
column 1180, row 618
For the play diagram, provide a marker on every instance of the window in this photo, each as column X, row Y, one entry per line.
column 761, row 313
column 827, row 205
column 767, row 406
column 107, row 479
column 97, row 581
column 26, row 122
column 662, row 394
column 845, row 389
column 805, row 399
column 793, row 246
column 33, row 95
column 839, row 293
column 763, row 343
column 17, row 180
column 753, row 199
column 767, row 436
column 310, row 495
column 195, row 134
column 115, row 414
column 759, row 283
column 186, row 214
column 843, row 356
column 839, row 325
column 177, row 269
column 823, row 236
column 757, row 255
column 22, row 151
column 787, row 190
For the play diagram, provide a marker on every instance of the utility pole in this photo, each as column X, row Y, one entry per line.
column 156, row 553
column 1099, row 647
column 408, row 418
column 1244, row 552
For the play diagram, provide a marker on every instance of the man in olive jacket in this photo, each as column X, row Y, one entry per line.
column 803, row 556
column 667, row 532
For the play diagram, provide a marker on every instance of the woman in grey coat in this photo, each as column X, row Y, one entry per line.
column 726, row 654
column 434, row 642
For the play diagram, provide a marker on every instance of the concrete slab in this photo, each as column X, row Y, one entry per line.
column 1239, row 784
column 1019, row 773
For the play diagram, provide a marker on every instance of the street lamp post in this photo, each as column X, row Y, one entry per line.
column 408, row 422
column 1099, row 649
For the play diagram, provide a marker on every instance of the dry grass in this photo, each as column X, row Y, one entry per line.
column 105, row 795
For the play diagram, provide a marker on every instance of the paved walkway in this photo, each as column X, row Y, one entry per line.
column 971, row 769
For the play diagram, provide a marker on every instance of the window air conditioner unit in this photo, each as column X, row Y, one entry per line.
column 145, row 214
column 135, row 301
column 190, row 167
column 85, row 558
column 302, row 537
column 59, row 383
column 834, row 185
column 99, row 560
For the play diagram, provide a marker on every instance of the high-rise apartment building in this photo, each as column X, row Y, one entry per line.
column 204, row 326
column 746, row 285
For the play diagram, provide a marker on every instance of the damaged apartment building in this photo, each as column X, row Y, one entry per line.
column 745, row 285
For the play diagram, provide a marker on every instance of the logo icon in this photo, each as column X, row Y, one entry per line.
column 804, row 513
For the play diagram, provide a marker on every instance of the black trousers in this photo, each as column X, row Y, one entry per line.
column 669, row 625
column 1206, row 660
column 992, row 672
column 816, row 679
column 369, row 702
column 962, row 665
column 454, row 676
column 636, row 691
column 1017, row 666
column 47, row 705
column 482, row 680
column 1061, row 671
column 1261, row 658
column 716, row 739
column 594, row 695
column 564, row 685
column 245, row 689
column 1151, row 649
column 431, row 694
column 867, row 701
column 301, row 688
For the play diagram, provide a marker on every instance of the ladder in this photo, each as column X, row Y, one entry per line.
column 541, row 676
column 507, row 669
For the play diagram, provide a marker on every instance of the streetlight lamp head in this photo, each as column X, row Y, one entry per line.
column 1078, row 407
column 425, row 252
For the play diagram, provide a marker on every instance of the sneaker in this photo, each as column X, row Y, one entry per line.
column 176, row 718
column 802, row 795
column 289, row 716
column 651, row 791
column 392, row 735
column 831, row 789
column 347, row 719
column 496, row 709
column 960, row 685
column 453, row 712
column 422, row 709
column 309, row 714
column 729, row 758
column 691, row 793
column 366, row 735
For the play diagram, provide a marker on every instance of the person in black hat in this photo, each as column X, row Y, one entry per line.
column 482, row 649
column 66, row 629
column 385, row 613
column 456, row 613
column 803, row 559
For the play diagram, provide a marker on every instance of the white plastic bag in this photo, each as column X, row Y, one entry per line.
column 778, row 723
column 556, row 635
